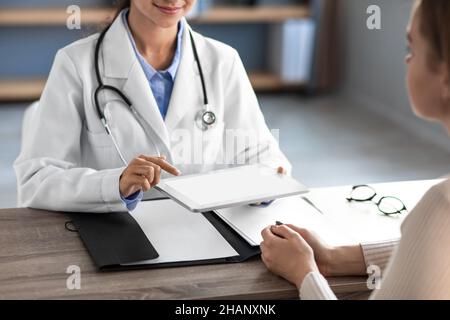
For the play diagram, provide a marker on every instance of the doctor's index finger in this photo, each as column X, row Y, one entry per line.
column 162, row 163
column 281, row 170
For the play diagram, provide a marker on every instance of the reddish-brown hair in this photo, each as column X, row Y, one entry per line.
column 434, row 17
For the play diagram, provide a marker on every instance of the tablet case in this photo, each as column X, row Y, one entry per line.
column 114, row 239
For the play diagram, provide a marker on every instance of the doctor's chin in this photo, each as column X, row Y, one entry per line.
column 225, row 159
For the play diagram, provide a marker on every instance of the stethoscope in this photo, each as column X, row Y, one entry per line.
column 204, row 119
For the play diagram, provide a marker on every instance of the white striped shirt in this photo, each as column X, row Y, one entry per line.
column 417, row 266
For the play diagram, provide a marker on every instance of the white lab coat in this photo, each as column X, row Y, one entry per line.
column 69, row 163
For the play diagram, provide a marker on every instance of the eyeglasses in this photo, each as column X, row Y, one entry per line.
column 386, row 205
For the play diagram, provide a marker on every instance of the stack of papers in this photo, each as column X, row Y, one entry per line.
column 333, row 218
column 179, row 235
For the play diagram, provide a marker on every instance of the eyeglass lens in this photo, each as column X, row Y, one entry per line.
column 390, row 205
column 363, row 193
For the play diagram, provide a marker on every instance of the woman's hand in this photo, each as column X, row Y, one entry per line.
column 323, row 253
column 287, row 254
column 143, row 173
column 333, row 261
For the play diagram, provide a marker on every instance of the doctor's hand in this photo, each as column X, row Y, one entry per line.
column 280, row 170
column 143, row 173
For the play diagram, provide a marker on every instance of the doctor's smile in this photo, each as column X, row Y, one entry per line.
column 168, row 10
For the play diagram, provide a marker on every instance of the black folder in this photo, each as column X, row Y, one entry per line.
column 115, row 239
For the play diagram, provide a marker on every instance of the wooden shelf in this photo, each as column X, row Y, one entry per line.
column 31, row 89
column 265, row 81
column 91, row 16
column 51, row 16
column 259, row 14
column 21, row 90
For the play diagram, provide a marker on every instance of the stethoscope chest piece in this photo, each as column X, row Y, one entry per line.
column 205, row 119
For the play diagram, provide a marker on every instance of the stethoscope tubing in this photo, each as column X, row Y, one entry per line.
column 205, row 114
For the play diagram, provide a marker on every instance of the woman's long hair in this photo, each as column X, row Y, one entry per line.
column 120, row 5
column 434, row 19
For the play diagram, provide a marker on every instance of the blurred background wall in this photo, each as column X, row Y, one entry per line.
column 373, row 68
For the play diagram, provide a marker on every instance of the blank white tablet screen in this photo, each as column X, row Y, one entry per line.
column 232, row 185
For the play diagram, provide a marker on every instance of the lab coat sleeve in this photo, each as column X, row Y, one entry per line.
column 243, row 116
column 48, row 169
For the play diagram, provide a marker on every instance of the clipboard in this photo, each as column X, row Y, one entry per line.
column 115, row 241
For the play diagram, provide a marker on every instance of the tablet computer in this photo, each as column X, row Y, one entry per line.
column 230, row 187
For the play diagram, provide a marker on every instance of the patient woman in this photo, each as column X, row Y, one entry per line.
column 418, row 266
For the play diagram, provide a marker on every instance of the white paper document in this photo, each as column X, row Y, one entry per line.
column 179, row 235
column 363, row 220
column 230, row 187
column 249, row 221
column 336, row 220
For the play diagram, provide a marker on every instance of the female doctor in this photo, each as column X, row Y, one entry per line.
column 146, row 97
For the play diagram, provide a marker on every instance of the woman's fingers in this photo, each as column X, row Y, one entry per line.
column 267, row 234
column 283, row 231
column 302, row 231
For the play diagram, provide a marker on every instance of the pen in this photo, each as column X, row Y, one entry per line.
column 279, row 223
column 312, row 204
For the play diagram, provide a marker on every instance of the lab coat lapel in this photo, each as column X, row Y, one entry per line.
column 186, row 94
column 120, row 62
column 140, row 94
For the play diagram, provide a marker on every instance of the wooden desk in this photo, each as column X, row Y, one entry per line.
column 36, row 249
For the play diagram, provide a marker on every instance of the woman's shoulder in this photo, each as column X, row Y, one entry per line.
column 441, row 190
column 434, row 206
column 438, row 196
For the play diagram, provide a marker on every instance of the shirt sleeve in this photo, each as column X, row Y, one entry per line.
column 315, row 287
column 132, row 201
column 379, row 253
column 50, row 161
